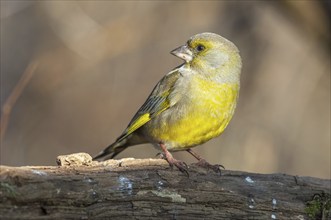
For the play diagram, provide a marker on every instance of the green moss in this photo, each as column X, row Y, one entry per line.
column 319, row 207
column 7, row 189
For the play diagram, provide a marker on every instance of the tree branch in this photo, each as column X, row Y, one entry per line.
column 150, row 189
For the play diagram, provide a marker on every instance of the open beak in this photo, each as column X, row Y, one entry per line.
column 183, row 52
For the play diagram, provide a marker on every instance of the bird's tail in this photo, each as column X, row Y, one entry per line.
column 111, row 151
column 119, row 145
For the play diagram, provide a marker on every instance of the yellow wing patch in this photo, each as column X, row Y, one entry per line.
column 143, row 119
column 156, row 103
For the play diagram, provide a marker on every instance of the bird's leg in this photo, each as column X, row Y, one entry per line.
column 172, row 161
column 203, row 163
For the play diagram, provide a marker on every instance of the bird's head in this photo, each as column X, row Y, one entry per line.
column 209, row 52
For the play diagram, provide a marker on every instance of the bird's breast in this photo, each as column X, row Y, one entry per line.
column 202, row 111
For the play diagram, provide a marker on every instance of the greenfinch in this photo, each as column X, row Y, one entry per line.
column 190, row 105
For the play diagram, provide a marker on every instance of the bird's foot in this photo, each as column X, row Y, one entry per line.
column 182, row 166
column 215, row 167
column 203, row 163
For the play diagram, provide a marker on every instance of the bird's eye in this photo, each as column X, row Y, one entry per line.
column 200, row 48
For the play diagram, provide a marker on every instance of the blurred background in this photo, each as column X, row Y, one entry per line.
column 73, row 73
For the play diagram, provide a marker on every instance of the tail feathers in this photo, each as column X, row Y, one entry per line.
column 111, row 151
column 120, row 144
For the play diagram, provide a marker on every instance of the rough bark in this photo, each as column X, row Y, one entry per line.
column 150, row 189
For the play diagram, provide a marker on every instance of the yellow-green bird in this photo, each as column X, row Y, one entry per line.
column 191, row 104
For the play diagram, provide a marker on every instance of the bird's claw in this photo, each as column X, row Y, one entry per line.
column 215, row 167
column 160, row 155
column 181, row 166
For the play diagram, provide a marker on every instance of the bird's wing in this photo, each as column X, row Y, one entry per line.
column 156, row 103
